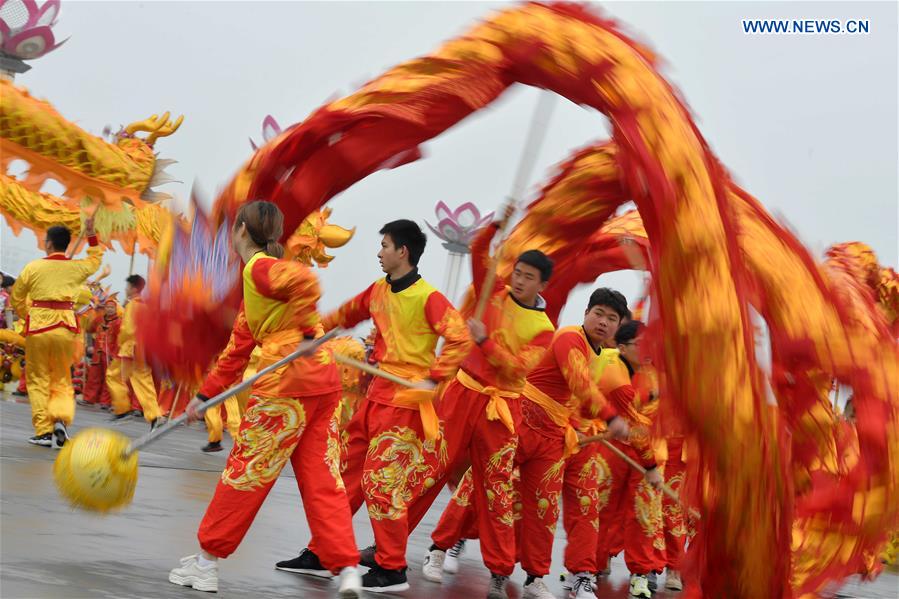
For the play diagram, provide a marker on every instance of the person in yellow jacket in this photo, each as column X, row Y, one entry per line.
column 215, row 427
column 129, row 365
column 43, row 295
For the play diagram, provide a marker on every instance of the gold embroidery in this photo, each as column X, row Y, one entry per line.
column 406, row 462
column 262, row 448
column 548, row 494
column 497, row 479
column 333, row 451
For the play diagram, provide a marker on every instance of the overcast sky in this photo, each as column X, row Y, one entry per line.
column 806, row 123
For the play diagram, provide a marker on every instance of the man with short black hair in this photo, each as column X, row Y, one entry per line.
column 129, row 364
column 480, row 406
column 43, row 295
column 393, row 444
column 557, row 390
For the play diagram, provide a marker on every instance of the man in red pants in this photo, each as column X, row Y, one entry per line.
column 105, row 330
column 581, row 499
column 631, row 520
column 392, row 452
column 475, row 406
column 558, row 387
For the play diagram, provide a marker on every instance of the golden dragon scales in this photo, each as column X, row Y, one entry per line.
column 116, row 179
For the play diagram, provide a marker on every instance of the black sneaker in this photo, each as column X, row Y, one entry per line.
column 380, row 580
column 137, row 413
column 213, row 446
column 306, row 563
column 45, row 440
column 154, row 424
column 18, row 393
column 367, row 556
column 59, row 435
column 120, row 417
column 653, row 579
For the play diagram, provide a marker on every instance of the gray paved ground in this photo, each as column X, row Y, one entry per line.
column 49, row 550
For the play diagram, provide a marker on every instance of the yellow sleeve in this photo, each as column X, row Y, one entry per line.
column 19, row 296
column 91, row 264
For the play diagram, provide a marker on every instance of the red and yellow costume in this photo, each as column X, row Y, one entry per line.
column 393, row 450
column 129, row 367
column 288, row 416
column 44, row 294
column 105, row 330
column 558, row 387
column 478, row 411
column 630, row 516
column 581, row 496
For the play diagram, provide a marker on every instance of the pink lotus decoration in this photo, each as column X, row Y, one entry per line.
column 456, row 228
column 26, row 30
column 270, row 130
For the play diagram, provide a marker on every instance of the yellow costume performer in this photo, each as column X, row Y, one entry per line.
column 129, row 365
column 44, row 295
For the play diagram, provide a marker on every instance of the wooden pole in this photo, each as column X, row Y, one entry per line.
column 536, row 133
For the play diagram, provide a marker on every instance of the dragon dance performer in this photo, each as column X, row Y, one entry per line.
column 479, row 407
column 631, row 520
column 392, row 450
column 581, row 499
column 44, row 294
column 562, row 377
column 288, row 416
column 105, row 330
column 129, row 365
column 560, row 386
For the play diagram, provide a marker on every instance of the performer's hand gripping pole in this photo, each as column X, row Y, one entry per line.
column 305, row 349
column 671, row 493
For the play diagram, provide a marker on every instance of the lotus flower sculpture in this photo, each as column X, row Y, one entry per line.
column 270, row 130
column 26, row 30
column 456, row 228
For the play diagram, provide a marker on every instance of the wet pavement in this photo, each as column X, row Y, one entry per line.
column 47, row 549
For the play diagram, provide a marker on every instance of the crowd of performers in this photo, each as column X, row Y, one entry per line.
column 509, row 413
column 69, row 341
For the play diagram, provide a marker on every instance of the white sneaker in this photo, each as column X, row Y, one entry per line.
column 350, row 583
column 582, row 587
column 191, row 574
column 536, row 590
column 60, row 435
column 432, row 568
column 640, row 586
column 497, row 588
column 451, row 565
column 567, row 582
column 673, row 581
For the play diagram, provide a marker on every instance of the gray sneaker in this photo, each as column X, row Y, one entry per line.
column 497, row 588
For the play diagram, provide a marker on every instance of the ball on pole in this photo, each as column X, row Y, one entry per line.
column 93, row 471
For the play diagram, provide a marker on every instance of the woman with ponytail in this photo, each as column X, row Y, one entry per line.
column 287, row 416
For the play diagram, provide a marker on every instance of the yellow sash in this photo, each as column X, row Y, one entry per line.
column 558, row 413
column 497, row 407
column 416, row 399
